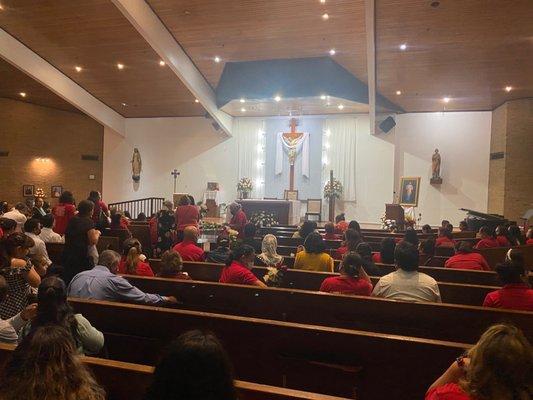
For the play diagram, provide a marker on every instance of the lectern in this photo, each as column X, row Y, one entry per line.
column 395, row 212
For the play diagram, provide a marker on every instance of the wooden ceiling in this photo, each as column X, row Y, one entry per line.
column 467, row 50
column 13, row 82
column 96, row 36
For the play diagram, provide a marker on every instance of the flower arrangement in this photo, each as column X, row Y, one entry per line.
column 202, row 208
column 245, row 185
column 263, row 219
column 232, row 235
column 210, row 228
column 274, row 276
column 39, row 192
column 388, row 224
column 333, row 191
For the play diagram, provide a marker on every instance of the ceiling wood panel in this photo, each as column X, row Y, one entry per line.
column 468, row 50
column 14, row 81
column 248, row 30
column 95, row 35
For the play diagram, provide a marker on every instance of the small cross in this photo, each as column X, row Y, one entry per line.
column 175, row 174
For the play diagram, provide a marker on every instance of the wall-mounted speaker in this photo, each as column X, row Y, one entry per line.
column 387, row 124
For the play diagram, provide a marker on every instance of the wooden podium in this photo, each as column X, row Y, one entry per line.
column 395, row 212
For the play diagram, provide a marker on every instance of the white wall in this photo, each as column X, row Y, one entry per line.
column 463, row 140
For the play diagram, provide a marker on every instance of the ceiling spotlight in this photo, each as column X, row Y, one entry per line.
column 325, row 16
column 123, row 104
column 243, row 109
column 508, row 88
column 446, row 99
column 277, row 98
column 22, row 94
column 120, row 66
column 332, row 52
column 398, row 92
column 340, row 107
column 242, row 100
column 162, row 63
column 323, row 97
column 322, row 1
column 78, row 68
column 196, row 100
column 403, row 46
column 217, row 59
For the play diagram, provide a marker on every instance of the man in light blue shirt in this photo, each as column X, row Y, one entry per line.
column 102, row 283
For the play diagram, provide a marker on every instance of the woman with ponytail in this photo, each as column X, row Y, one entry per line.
column 53, row 309
column 352, row 280
column 238, row 266
column 133, row 261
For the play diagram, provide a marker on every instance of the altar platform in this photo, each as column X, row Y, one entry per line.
column 287, row 212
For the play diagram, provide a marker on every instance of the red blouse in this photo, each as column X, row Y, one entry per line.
column 238, row 221
column 467, row 261
column 376, row 257
column 529, row 241
column 187, row 216
column 238, row 274
column 450, row 391
column 189, row 251
column 503, row 241
column 346, row 285
column 487, row 243
column 142, row 269
column 62, row 214
column 340, row 252
column 516, row 296
column 443, row 241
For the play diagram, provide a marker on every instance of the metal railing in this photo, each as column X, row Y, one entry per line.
column 148, row 206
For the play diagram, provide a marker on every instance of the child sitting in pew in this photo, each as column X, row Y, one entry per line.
column 172, row 266
column 133, row 262
column 238, row 266
column 352, row 279
column 516, row 293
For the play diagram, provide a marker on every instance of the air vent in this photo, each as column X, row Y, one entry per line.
column 4, row 153
column 89, row 157
column 497, row 156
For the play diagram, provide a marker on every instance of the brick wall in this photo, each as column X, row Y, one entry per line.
column 497, row 167
column 45, row 146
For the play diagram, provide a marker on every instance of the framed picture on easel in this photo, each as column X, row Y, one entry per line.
column 409, row 190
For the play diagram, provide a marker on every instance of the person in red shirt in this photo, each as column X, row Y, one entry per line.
column 445, row 238
column 487, row 239
column 341, row 225
column 238, row 266
column 172, row 266
column 7, row 227
column 186, row 214
column 529, row 236
column 188, row 249
column 515, row 294
column 238, row 219
column 64, row 211
column 101, row 216
column 386, row 252
column 465, row 258
column 351, row 239
column 501, row 236
column 133, row 261
column 499, row 366
column 352, row 280
column 329, row 229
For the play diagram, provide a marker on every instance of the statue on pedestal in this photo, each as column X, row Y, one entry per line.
column 435, row 168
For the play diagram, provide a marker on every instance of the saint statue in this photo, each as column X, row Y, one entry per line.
column 136, row 165
column 435, row 165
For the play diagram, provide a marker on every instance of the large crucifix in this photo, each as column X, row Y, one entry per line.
column 291, row 138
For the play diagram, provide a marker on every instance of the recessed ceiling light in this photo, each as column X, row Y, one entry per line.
column 78, row 68
column 123, row 104
column 277, row 98
column 243, row 109
column 325, row 16
column 162, row 63
column 323, row 97
column 446, row 99
column 217, row 59
column 196, row 100
column 22, row 94
column 1, row 7
column 242, row 100
column 340, row 107
column 332, row 52
column 322, row 1
column 398, row 92
column 120, row 66
column 403, row 46
column 508, row 88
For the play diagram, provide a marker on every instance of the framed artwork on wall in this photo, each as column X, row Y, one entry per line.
column 28, row 190
column 409, row 189
column 290, row 195
column 56, row 192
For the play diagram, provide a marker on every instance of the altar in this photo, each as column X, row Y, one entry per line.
column 287, row 212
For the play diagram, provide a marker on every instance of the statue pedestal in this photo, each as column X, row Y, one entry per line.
column 435, row 181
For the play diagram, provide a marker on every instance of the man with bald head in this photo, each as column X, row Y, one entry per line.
column 188, row 249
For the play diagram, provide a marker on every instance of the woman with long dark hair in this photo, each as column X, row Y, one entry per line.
column 53, row 309
column 195, row 367
column 351, row 239
column 365, row 251
column 386, row 252
column 352, row 280
column 45, row 365
column 238, row 266
column 314, row 257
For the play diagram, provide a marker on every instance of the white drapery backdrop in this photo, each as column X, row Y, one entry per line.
column 250, row 136
column 338, row 153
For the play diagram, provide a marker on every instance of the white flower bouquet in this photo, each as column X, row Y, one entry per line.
column 333, row 191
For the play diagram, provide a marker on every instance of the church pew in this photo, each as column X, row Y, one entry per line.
column 497, row 255
column 454, row 293
column 122, row 380
column 428, row 320
column 55, row 250
column 142, row 233
column 319, row 359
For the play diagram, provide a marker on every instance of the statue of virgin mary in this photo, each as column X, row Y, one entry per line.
column 136, row 165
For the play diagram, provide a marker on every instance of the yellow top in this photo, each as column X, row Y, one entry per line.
column 313, row 262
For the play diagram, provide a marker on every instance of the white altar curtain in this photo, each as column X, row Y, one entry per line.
column 250, row 136
column 338, row 153
column 301, row 148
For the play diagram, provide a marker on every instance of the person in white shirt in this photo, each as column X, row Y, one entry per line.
column 17, row 214
column 406, row 283
column 47, row 234
column 32, row 228
column 9, row 328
